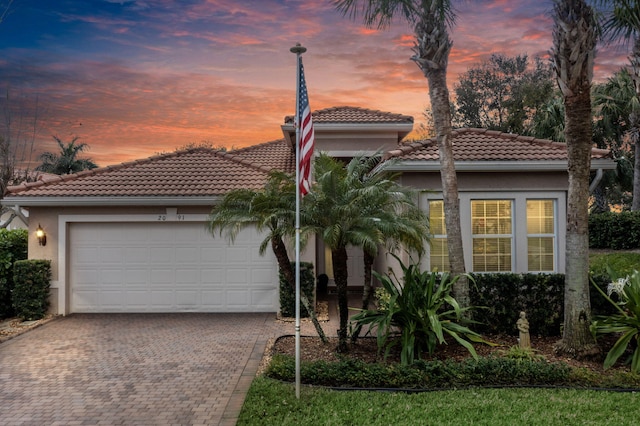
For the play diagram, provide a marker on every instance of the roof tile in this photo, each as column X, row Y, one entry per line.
column 349, row 114
column 194, row 172
column 490, row 145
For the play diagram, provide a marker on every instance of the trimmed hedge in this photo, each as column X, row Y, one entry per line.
column 287, row 295
column 614, row 231
column 490, row 371
column 31, row 292
column 13, row 247
column 499, row 298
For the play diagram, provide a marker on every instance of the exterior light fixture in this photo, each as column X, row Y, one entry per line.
column 42, row 237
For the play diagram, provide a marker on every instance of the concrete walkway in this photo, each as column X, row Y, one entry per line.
column 134, row 369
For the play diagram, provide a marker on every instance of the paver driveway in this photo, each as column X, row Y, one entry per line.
column 132, row 369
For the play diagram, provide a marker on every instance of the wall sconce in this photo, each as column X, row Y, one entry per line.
column 42, row 237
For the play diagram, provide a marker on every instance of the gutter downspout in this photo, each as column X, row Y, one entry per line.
column 596, row 180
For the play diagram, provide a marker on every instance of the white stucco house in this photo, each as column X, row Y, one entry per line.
column 131, row 237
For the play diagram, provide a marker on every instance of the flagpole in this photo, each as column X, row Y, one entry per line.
column 298, row 49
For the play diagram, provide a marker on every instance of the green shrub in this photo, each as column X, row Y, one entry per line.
column 499, row 298
column 287, row 295
column 422, row 308
column 31, row 292
column 614, row 231
column 625, row 322
column 13, row 247
column 490, row 371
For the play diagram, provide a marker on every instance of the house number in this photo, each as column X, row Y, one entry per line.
column 163, row 217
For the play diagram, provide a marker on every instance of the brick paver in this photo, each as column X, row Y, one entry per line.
column 142, row 369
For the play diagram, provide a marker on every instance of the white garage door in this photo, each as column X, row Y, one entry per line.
column 168, row 267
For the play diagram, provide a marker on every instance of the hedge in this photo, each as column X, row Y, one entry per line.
column 614, row 231
column 13, row 247
column 287, row 295
column 31, row 292
column 499, row 298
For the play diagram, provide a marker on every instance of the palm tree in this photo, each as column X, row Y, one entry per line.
column 398, row 219
column 66, row 161
column 344, row 209
column 614, row 102
column 574, row 42
column 270, row 209
column 623, row 23
column 431, row 20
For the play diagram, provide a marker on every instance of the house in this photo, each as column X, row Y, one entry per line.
column 132, row 237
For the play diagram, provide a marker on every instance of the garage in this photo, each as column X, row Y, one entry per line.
column 167, row 267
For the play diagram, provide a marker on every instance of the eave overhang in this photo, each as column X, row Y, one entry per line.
column 34, row 201
column 498, row 166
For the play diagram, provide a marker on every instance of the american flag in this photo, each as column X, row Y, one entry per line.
column 306, row 133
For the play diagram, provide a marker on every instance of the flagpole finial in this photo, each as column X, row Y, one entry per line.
column 298, row 49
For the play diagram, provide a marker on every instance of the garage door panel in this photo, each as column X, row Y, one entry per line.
column 167, row 267
column 135, row 255
column 136, row 276
column 160, row 255
column 236, row 276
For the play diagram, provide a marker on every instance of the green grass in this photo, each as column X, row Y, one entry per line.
column 270, row 402
column 623, row 262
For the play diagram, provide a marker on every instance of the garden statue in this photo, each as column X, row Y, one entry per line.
column 523, row 327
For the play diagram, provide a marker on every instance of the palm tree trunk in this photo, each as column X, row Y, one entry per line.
column 339, row 259
column 432, row 55
column 280, row 250
column 576, row 337
column 574, row 47
column 366, row 289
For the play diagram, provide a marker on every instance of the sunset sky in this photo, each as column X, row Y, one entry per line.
column 134, row 78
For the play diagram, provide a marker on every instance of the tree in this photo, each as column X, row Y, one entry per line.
column 574, row 42
column 431, row 20
column 396, row 217
column 338, row 210
column 623, row 23
column 548, row 123
column 20, row 125
column 614, row 102
column 272, row 210
column 66, row 161
column 503, row 93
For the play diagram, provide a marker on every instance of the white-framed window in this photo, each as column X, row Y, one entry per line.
column 438, row 251
column 541, row 235
column 515, row 231
column 492, row 235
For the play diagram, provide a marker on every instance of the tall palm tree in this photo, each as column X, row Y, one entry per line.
column 272, row 210
column 574, row 42
column 66, row 161
column 623, row 23
column 398, row 219
column 431, row 20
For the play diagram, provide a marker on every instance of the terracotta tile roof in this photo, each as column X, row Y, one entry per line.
column 489, row 145
column 348, row 114
column 194, row 172
column 276, row 154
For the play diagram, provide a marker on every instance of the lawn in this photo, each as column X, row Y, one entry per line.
column 270, row 402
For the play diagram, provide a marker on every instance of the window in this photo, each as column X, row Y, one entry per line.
column 501, row 232
column 492, row 234
column 439, row 253
column 541, row 235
